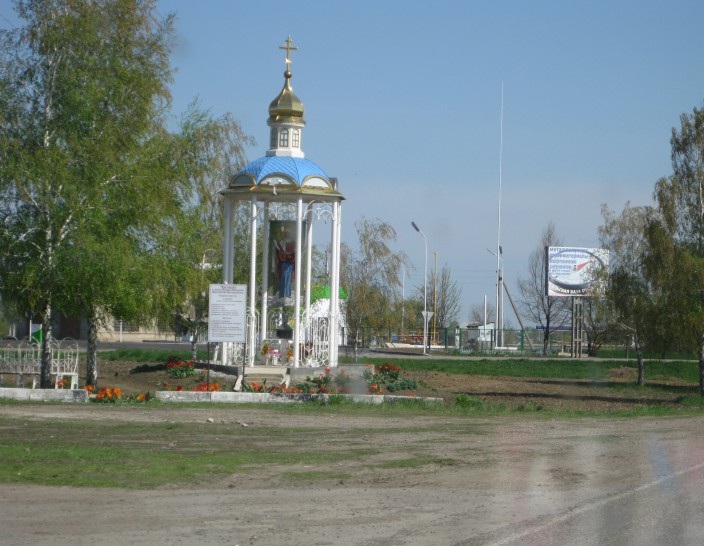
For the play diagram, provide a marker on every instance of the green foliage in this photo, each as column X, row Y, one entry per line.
column 326, row 383
column 103, row 211
column 675, row 261
column 402, row 385
column 388, row 377
column 471, row 402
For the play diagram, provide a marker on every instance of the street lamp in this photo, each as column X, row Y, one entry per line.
column 425, row 287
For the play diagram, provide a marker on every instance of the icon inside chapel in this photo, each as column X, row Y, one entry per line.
column 283, row 256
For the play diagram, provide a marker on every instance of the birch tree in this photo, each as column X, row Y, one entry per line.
column 93, row 187
column 84, row 84
column 628, row 302
column 371, row 274
column 676, row 240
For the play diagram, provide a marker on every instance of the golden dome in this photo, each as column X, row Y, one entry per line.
column 286, row 107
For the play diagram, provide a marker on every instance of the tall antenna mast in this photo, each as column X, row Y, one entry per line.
column 499, row 257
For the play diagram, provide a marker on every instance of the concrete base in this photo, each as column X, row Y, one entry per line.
column 268, row 398
column 46, row 395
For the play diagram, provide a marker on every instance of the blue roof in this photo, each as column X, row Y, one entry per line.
column 296, row 168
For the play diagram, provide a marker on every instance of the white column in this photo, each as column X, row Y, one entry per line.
column 337, row 280
column 309, row 263
column 334, row 283
column 297, row 299
column 265, row 277
column 251, row 339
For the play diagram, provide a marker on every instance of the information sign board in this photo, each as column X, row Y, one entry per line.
column 227, row 318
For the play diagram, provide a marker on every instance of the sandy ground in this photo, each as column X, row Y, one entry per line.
column 499, row 480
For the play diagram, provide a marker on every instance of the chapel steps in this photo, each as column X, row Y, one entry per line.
column 267, row 376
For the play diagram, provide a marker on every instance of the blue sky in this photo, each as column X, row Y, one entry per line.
column 403, row 106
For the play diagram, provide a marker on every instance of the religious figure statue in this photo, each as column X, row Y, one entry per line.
column 285, row 261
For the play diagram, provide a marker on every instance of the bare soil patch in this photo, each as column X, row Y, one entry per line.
column 616, row 393
column 425, row 479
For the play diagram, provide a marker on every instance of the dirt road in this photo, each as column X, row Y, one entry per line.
column 507, row 480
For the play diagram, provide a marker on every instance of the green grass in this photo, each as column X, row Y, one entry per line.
column 684, row 368
column 415, row 462
column 148, row 355
column 692, row 401
column 631, row 354
column 143, row 455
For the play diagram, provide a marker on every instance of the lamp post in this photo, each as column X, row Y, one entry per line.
column 435, row 299
column 425, row 288
column 403, row 298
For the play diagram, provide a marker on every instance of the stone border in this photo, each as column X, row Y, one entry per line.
column 268, row 398
column 82, row 396
column 45, row 395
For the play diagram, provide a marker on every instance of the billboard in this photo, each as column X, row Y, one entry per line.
column 571, row 271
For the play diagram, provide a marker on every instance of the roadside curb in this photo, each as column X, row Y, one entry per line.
column 45, row 395
column 82, row 396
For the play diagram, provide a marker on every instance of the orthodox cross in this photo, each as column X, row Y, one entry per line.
column 288, row 47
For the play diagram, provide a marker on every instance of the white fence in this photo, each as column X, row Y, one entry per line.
column 24, row 359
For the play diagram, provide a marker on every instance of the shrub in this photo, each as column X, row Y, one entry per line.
column 388, row 377
column 473, row 402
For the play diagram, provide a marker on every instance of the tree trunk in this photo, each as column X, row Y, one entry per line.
column 641, row 363
column 701, row 370
column 92, row 353
column 356, row 339
column 45, row 375
column 546, row 336
column 194, row 347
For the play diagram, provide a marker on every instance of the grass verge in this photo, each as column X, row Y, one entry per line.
column 148, row 455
